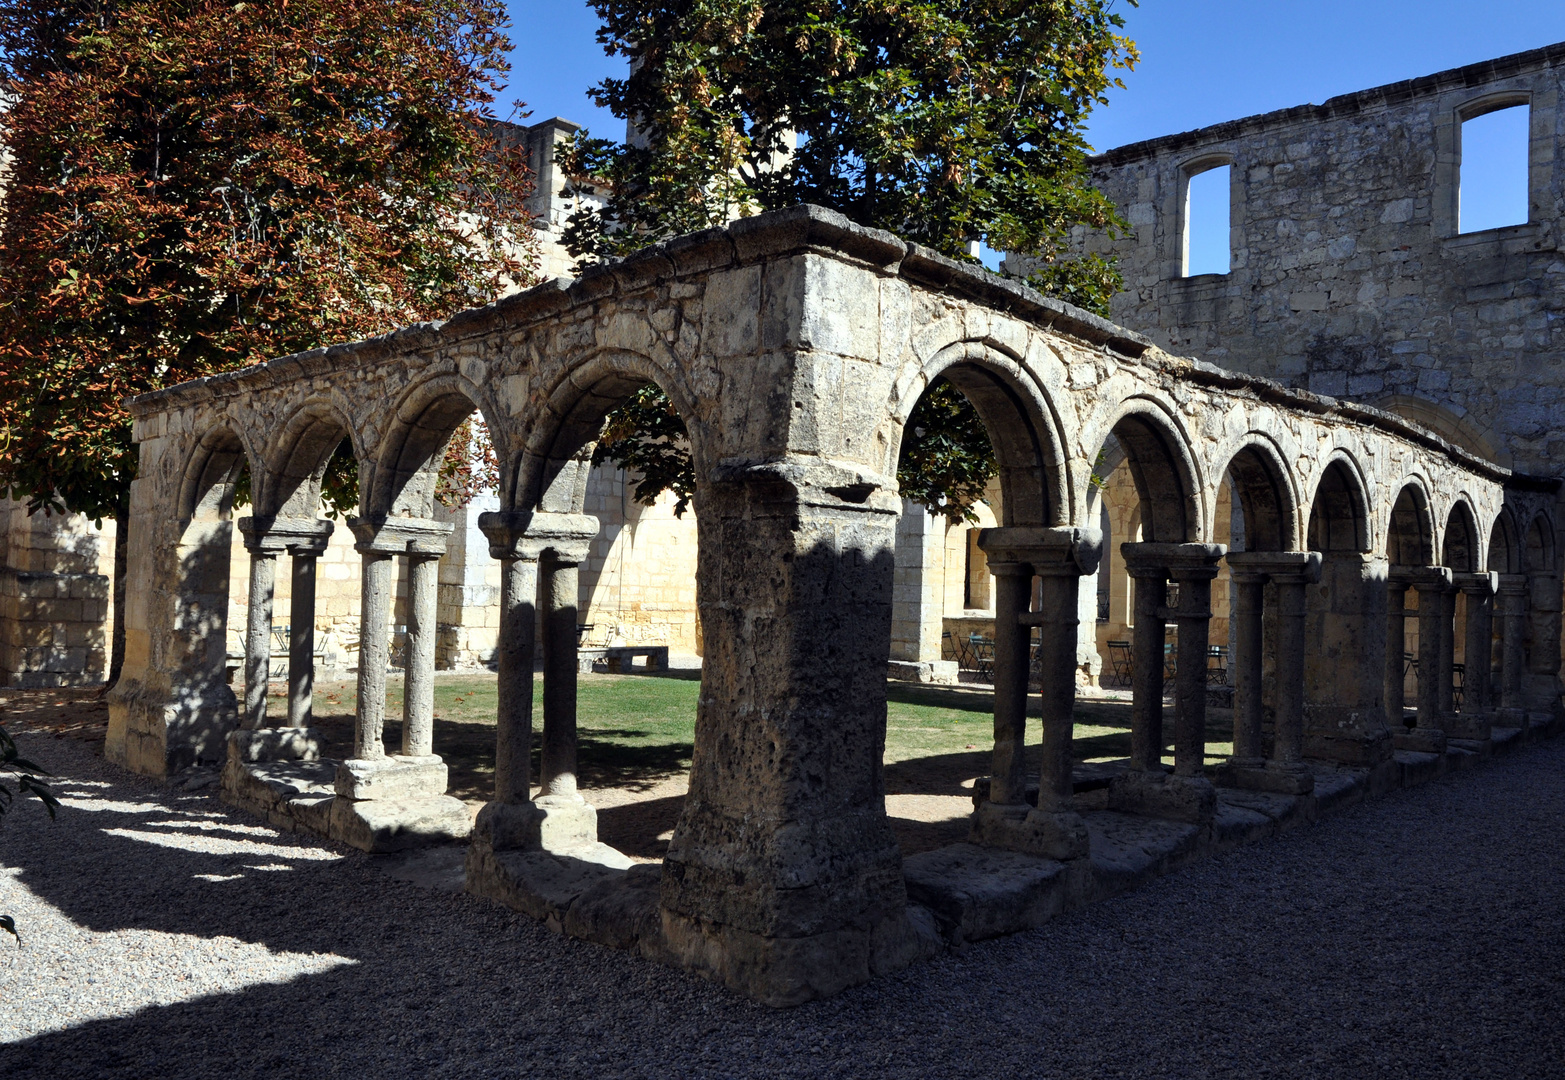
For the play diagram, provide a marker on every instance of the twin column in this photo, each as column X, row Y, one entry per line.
column 1288, row 573
column 304, row 540
column 539, row 554
column 1059, row 556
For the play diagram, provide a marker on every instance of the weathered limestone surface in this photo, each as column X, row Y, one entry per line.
column 795, row 346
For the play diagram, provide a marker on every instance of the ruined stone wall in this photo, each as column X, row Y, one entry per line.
column 55, row 597
column 1349, row 275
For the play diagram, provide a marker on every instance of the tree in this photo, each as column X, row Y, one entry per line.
column 196, row 186
column 949, row 122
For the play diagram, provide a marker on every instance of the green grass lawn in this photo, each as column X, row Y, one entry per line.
column 638, row 730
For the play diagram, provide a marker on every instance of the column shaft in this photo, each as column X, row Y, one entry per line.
column 1248, row 635
column 1058, row 605
column 1146, row 715
column 258, row 637
column 1431, row 609
column 1396, row 654
column 558, row 771
column 1477, row 650
column 1288, row 745
column 1447, row 684
column 1513, row 649
column 374, row 612
column 301, row 642
column 418, row 691
column 1194, row 614
column 514, row 737
column 1012, row 594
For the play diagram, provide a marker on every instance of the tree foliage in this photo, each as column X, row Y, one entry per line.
column 944, row 121
column 196, row 186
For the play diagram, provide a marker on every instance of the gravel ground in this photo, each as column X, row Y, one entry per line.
column 167, row 937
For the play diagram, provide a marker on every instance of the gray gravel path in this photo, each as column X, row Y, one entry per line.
column 167, row 937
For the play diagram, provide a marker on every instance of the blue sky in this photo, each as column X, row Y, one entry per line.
column 1203, row 61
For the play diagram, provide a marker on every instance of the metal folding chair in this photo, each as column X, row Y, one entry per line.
column 1121, row 663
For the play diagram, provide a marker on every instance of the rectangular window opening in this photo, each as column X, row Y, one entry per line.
column 1492, row 181
column 1207, row 237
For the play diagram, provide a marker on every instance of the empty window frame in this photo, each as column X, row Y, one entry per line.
column 1492, row 174
column 1207, row 236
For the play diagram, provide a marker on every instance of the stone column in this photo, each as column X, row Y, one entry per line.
column 558, row 585
column 1058, row 557
column 1447, row 685
column 418, row 691
column 1012, row 595
column 1289, row 572
column 375, row 586
column 1427, row 736
column 1146, row 788
column 1396, row 652
column 258, row 637
column 303, row 539
column 1247, row 635
column 1476, row 717
column 556, row 822
column 1513, row 651
column 301, row 640
column 1345, row 664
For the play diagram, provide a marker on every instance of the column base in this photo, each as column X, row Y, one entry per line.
column 1060, row 834
column 398, row 823
column 393, row 776
column 1420, row 740
column 1347, row 736
column 1273, row 776
column 557, row 823
column 1161, row 795
column 1511, row 718
column 1474, row 726
column 786, row 971
column 251, row 746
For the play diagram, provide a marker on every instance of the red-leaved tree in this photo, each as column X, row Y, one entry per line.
column 194, row 186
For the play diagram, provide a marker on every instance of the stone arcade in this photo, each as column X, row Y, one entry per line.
column 795, row 345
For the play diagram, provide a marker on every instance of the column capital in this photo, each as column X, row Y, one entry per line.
column 1292, row 567
column 1513, row 584
column 1056, row 551
column 295, row 535
column 387, row 535
column 1484, row 584
column 1420, row 577
column 527, row 535
column 1177, row 561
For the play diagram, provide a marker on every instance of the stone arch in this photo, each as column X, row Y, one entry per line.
column 1452, row 424
column 207, row 484
column 1266, row 495
column 405, row 469
column 1340, row 512
column 1459, row 549
column 1021, row 420
column 556, row 461
column 1410, row 530
column 1505, row 554
column 1539, row 551
column 297, row 458
column 1163, row 469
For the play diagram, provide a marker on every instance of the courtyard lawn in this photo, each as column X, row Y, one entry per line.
column 637, row 731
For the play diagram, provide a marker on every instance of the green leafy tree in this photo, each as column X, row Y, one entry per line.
column 949, row 122
column 198, row 185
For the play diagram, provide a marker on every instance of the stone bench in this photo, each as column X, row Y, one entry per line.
column 620, row 658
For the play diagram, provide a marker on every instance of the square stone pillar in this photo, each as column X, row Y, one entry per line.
column 783, row 878
column 1288, row 572
column 1059, row 557
column 1543, row 658
column 1396, row 653
column 1476, row 717
column 304, row 539
column 1346, row 662
column 1147, row 788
